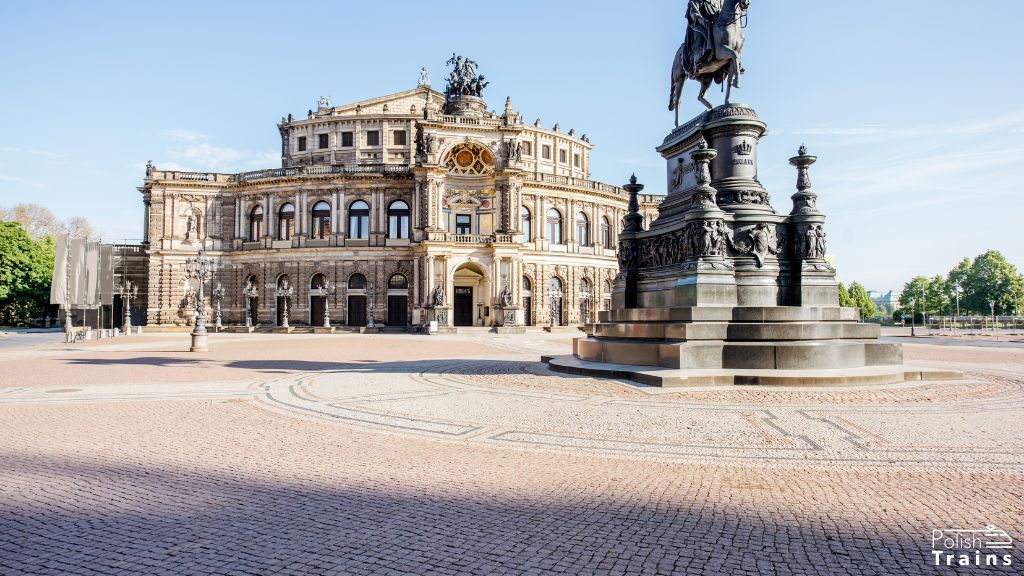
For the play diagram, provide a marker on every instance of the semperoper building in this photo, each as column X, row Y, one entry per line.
column 406, row 208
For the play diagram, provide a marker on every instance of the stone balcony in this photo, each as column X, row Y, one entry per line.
column 471, row 238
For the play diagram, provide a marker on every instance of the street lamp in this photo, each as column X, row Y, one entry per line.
column 924, row 310
column 127, row 291
column 371, row 308
column 328, row 289
column 199, row 268
column 249, row 293
column 284, row 291
column 992, row 305
column 218, row 295
column 913, row 315
column 555, row 304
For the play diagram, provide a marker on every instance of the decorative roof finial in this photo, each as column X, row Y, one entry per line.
column 803, row 150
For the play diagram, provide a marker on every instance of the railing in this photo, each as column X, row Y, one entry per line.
column 323, row 170
column 576, row 183
column 198, row 176
column 470, row 238
column 468, row 120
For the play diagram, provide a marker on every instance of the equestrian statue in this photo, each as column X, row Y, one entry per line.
column 711, row 50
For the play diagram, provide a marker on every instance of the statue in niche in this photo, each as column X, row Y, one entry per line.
column 438, row 296
column 506, row 296
column 814, row 243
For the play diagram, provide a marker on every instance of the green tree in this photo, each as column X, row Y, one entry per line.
column 992, row 278
column 910, row 299
column 937, row 297
column 861, row 300
column 26, row 270
column 844, row 297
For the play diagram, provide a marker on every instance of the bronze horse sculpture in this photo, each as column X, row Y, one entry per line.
column 712, row 48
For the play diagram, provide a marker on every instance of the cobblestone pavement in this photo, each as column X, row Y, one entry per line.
column 463, row 455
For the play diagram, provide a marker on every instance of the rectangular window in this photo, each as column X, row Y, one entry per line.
column 399, row 138
column 302, row 143
column 563, row 156
column 463, row 224
column 528, row 148
column 322, row 141
column 576, row 160
column 545, row 152
column 373, row 138
column 346, row 139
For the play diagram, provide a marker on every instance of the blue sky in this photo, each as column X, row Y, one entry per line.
column 917, row 119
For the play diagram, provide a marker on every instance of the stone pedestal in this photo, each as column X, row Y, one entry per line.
column 722, row 282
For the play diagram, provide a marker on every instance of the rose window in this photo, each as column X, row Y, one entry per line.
column 470, row 160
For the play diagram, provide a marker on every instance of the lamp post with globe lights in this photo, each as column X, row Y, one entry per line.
column 249, row 293
column 127, row 291
column 218, row 296
column 199, row 268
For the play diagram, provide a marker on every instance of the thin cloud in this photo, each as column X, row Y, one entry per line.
column 32, row 151
column 6, row 178
column 1012, row 123
column 180, row 135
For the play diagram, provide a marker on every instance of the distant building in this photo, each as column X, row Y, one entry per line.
column 886, row 302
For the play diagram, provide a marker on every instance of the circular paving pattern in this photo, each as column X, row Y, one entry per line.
column 520, row 404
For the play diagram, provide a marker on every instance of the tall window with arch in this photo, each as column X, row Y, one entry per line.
column 256, row 223
column 528, row 300
column 321, row 220
column 585, row 297
column 398, row 300
column 606, row 233
column 582, row 229
column 286, row 222
column 398, row 220
column 357, row 282
column 554, row 226
column 359, row 220
column 524, row 223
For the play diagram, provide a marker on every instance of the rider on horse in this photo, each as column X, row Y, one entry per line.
column 701, row 16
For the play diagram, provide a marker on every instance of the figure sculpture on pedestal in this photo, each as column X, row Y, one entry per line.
column 712, row 49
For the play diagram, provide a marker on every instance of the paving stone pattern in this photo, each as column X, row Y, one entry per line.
column 369, row 456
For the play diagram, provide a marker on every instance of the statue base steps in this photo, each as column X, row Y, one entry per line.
column 673, row 378
column 737, row 338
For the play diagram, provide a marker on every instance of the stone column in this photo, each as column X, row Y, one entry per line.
column 813, row 280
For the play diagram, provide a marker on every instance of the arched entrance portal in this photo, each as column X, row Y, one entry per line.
column 398, row 300
column 357, row 300
column 528, row 300
column 317, row 302
column 471, row 295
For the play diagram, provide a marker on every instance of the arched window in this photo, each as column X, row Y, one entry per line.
column 398, row 282
column 582, row 229
column 527, row 285
column 321, row 220
column 286, row 222
column 359, row 220
column 606, row 233
column 283, row 283
column 585, row 287
column 524, row 223
column 555, row 286
column 554, row 226
column 398, row 220
column 318, row 282
column 357, row 282
column 255, row 223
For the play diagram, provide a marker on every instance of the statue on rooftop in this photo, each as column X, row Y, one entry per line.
column 463, row 80
column 711, row 51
